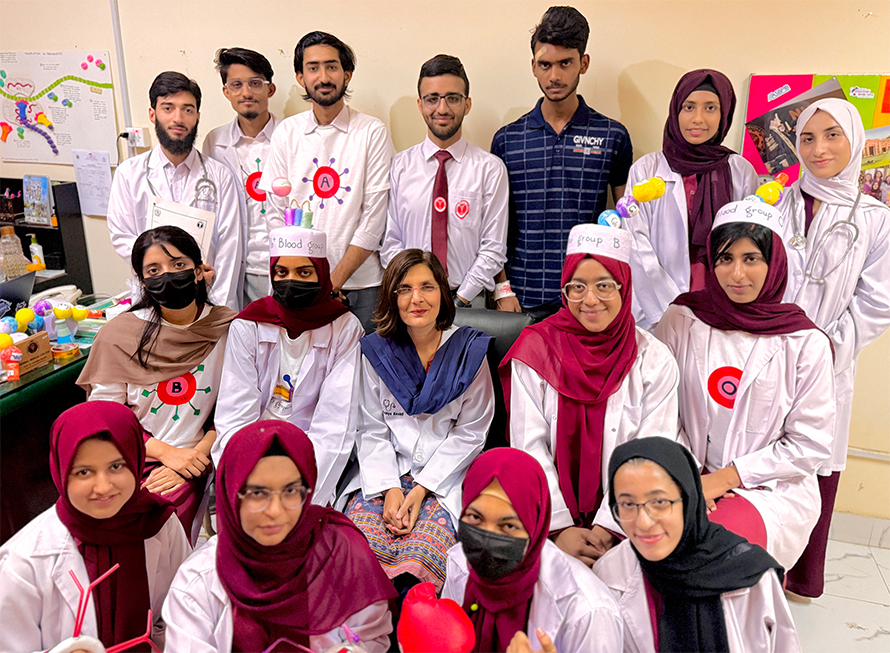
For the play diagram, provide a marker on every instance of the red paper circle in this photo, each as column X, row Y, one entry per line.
column 462, row 209
column 723, row 385
column 252, row 187
column 178, row 391
column 326, row 182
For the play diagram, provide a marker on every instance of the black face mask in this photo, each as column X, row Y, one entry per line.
column 295, row 295
column 489, row 554
column 173, row 290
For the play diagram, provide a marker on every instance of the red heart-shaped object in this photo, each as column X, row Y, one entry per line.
column 431, row 625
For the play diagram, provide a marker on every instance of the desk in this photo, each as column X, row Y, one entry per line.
column 28, row 408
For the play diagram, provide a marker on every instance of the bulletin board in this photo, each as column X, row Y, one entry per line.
column 776, row 101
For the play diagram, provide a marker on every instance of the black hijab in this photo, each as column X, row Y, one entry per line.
column 708, row 561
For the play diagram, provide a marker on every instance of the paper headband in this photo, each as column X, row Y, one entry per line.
column 601, row 241
column 297, row 241
column 753, row 211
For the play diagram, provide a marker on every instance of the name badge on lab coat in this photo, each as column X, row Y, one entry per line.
column 197, row 222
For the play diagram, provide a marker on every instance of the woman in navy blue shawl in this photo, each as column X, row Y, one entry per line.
column 427, row 404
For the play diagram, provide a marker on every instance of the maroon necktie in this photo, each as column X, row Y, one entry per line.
column 440, row 211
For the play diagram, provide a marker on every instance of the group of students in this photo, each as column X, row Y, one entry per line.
column 657, row 486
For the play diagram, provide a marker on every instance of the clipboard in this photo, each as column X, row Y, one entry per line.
column 197, row 222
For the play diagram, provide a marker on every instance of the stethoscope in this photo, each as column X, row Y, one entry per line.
column 799, row 240
column 205, row 188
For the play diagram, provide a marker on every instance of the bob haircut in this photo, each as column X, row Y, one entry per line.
column 386, row 313
column 726, row 235
column 161, row 236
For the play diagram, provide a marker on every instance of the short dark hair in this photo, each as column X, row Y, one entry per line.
column 443, row 64
column 563, row 26
column 725, row 236
column 347, row 56
column 171, row 83
column 386, row 313
column 225, row 57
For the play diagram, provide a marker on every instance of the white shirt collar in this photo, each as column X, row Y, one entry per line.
column 157, row 159
column 265, row 132
column 341, row 122
column 457, row 149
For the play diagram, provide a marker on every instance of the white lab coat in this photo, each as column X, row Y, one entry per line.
column 198, row 613
column 781, row 425
column 852, row 306
column 757, row 618
column 435, row 449
column 645, row 405
column 570, row 604
column 128, row 214
column 660, row 257
column 325, row 394
column 38, row 598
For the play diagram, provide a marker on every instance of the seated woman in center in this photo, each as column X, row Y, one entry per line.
column 585, row 380
column 294, row 356
column 682, row 582
column 282, row 571
column 515, row 584
column 426, row 405
column 757, row 390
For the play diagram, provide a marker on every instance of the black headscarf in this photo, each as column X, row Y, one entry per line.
column 708, row 561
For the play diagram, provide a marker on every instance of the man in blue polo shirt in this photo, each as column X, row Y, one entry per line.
column 561, row 156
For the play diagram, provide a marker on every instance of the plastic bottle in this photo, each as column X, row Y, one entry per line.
column 14, row 261
column 36, row 251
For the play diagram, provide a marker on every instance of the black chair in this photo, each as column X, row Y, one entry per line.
column 504, row 328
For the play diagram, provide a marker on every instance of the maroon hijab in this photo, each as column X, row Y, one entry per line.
column 766, row 315
column 709, row 162
column 585, row 369
column 122, row 600
column 323, row 309
column 320, row 575
column 503, row 605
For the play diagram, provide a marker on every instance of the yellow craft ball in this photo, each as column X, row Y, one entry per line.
column 79, row 313
column 644, row 191
column 770, row 192
column 24, row 315
column 63, row 311
column 658, row 185
column 5, row 341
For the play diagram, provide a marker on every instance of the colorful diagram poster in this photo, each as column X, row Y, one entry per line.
column 54, row 102
column 776, row 101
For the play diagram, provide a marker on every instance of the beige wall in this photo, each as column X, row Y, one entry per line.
column 638, row 49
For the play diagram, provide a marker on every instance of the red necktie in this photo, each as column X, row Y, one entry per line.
column 440, row 211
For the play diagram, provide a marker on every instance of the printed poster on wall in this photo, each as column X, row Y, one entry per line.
column 776, row 101
column 52, row 103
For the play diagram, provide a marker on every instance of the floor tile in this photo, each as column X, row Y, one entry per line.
column 850, row 528
column 832, row 623
column 882, row 558
column 852, row 572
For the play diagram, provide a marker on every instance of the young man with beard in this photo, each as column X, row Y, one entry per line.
column 561, row 157
column 174, row 170
column 447, row 195
column 337, row 159
column 243, row 145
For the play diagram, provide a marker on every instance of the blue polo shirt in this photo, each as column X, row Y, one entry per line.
column 556, row 182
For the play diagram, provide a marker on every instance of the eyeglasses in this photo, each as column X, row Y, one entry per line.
column 425, row 290
column 604, row 290
column 255, row 84
column 655, row 508
column 453, row 100
column 257, row 500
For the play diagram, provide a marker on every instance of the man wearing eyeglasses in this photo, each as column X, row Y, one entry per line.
column 562, row 158
column 243, row 145
column 446, row 195
column 337, row 160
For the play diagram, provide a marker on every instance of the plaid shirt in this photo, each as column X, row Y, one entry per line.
column 556, row 182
